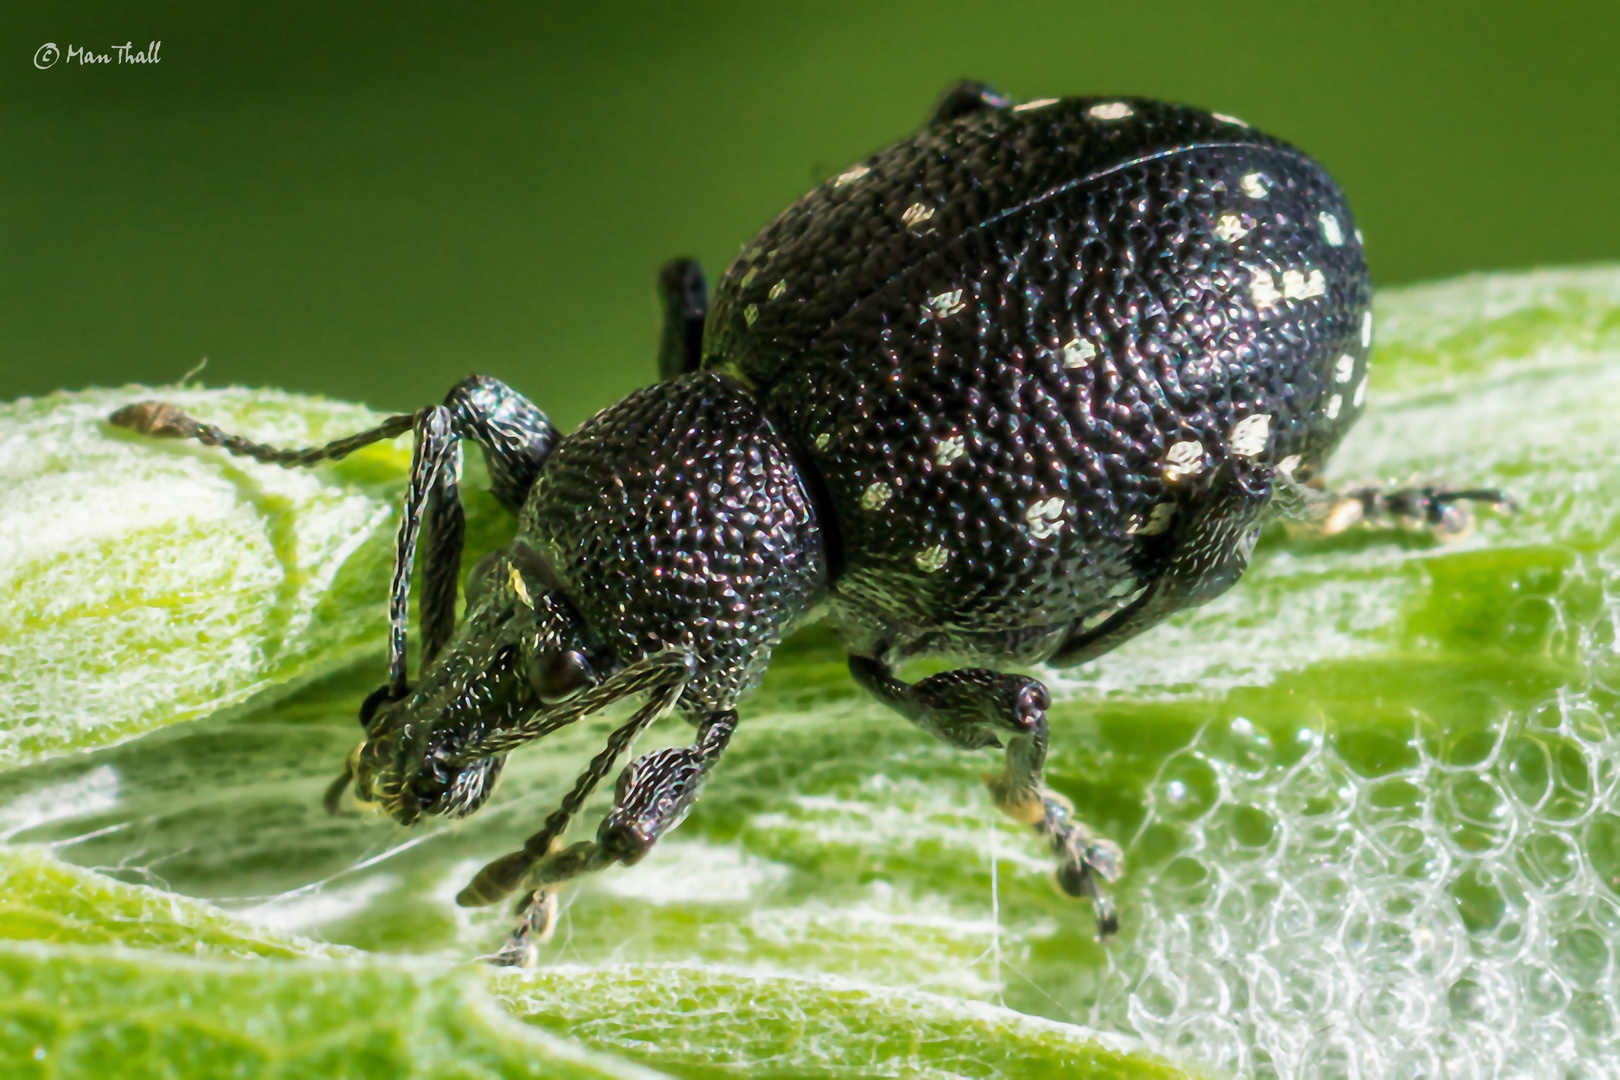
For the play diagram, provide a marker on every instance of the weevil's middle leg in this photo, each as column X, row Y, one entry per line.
column 975, row 707
column 684, row 295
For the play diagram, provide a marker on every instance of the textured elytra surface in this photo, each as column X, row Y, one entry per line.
column 841, row 863
column 677, row 519
column 993, row 341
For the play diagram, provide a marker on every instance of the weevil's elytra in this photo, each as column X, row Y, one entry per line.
column 1014, row 390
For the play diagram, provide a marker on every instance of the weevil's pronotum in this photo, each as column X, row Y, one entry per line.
column 1013, row 390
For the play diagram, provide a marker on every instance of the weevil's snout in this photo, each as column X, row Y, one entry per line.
column 403, row 771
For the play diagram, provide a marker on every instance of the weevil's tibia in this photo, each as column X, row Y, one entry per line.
column 654, row 794
column 1202, row 555
column 665, row 674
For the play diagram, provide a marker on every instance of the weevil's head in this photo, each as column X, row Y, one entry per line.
column 521, row 646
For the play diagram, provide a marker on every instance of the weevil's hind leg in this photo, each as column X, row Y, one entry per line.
column 653, row 796
column 973, row 708
column 683, row 294
column 1202, row 554
column 964, row 99
column 1311, row 510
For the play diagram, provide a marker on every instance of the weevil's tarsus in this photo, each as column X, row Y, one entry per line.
column 537, row 921
column 1312, row 510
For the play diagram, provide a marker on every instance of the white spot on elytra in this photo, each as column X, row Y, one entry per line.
column 1288, row 464
column 1078, row 353
column 916, row 214
column 1344, row 367
column 1361, row 393
column 932, row 558
column 1249, row 435
column 1366, row 330
column 750, row 313
column 876, row 494
column 1113, row 110
column 1158, row 520
column 1254, row 186
column 1263, row 290
column 1038, row 103
column 946, row 303
column 1335, row 403
column 777, row 290
column 1331, row 232
column 1230, row 227
column 822, row 440
column 949, row 450
column 1298, row 285
column 1184, row 459
column 1360, row 241
column 1225, row 119
column 851, row 174
column 1044, row 517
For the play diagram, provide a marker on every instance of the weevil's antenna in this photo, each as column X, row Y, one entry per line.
column 163, row 421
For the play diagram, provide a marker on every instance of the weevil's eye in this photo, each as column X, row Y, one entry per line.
column 556, row 675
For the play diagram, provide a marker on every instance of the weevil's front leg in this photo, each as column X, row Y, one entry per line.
column 973, row 708
column 664, row 674
column 653, row 796
column 1313, row 510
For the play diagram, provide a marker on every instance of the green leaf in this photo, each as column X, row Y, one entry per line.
column 185, row 998
column 146, row 582
column 1368, row 797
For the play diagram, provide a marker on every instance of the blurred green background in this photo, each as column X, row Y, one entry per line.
column 370, row 200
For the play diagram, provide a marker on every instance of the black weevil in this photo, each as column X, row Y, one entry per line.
column 1012, row 390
